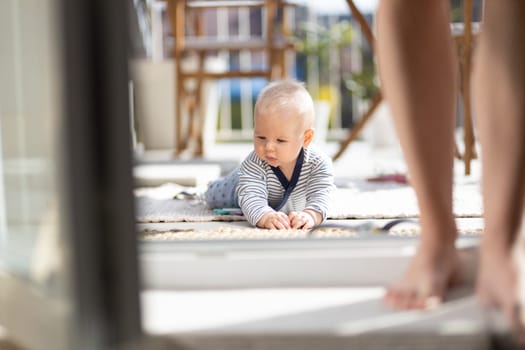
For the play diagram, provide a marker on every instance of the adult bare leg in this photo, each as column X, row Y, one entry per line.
column 418, row 71
column 500, row 107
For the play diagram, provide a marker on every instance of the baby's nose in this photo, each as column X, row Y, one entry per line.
column 269, row 145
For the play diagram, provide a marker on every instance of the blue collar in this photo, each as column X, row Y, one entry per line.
column 289, row 185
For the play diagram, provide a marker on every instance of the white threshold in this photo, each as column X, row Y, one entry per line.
column 303, row 294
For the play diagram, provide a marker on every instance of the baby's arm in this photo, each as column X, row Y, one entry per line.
column 305, row 219
column 253, row 194
column 319, row 186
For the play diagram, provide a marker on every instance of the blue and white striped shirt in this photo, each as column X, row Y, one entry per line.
column 259, row 189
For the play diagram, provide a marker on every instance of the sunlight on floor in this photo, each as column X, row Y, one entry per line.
column 189, row 311
column 336, row 311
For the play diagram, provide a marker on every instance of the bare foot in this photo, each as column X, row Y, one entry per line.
column 430, row 273
column 497, row 286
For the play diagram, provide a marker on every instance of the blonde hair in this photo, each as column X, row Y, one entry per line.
column 285, row 95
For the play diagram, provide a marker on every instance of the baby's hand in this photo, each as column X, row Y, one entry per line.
column 301, row 219
column 274, row 220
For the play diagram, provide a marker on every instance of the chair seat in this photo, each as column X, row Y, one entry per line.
column 252, row 44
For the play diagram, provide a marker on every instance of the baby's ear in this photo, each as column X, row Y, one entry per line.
column 308, row 136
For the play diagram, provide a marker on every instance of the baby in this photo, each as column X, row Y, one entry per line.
column 284, row 182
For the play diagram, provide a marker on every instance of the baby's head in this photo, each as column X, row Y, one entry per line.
column 283, row 122
column 288, row 99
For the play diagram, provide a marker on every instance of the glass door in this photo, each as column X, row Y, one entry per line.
column 34, row 272
column 68, row 275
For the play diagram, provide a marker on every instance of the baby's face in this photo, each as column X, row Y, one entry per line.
column 279, row 137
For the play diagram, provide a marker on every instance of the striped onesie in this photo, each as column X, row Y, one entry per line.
column 258, row 188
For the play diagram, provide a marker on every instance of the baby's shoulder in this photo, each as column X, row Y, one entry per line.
column 314, row 155
column 253, row 159
column 252, row 164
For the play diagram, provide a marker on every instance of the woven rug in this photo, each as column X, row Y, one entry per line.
column 357, row 200
column 253, row 233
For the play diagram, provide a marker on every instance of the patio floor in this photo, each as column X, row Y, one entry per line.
column 361, row 160
column 277, row 295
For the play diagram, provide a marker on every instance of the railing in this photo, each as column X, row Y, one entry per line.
column 237, row 96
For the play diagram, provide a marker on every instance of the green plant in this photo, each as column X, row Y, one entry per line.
column 318, row 41
column 364, row 83
column 315, row 39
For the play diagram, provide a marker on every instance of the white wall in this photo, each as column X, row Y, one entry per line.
column 154, row 102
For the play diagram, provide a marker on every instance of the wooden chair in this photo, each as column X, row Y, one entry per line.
column 464, row 41
column 185, row 15
column 464, row 44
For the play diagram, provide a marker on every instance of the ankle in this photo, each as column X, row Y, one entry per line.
column 439, row 241
column 439, row 233
column 497, row 242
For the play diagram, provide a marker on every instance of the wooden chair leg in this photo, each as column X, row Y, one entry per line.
column 356, row 129
column 466, row 68
column 470, row 150
column 354, row 132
